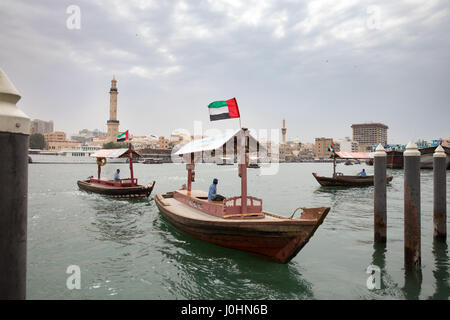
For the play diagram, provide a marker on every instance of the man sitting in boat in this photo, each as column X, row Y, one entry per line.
column 117, row 175
column 212, row 194
column 362, row 173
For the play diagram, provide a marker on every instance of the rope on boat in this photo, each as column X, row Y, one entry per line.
column 292, row 216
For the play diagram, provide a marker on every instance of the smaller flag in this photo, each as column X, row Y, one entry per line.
column 220, row 110
column 122, row 136
column 332, row 147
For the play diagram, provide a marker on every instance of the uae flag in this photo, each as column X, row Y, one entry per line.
column 332, row 147
column 122, row 136
column 220, row 110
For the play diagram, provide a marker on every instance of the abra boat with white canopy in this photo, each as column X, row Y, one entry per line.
column 121, row 188
column 340, row 180
column 238, row 222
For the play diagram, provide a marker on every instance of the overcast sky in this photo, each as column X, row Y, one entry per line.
column 322, row 65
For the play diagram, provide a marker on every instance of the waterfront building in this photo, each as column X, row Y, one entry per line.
column 368, row 134
column 57, row 141
column 348, row 145
column 87, row 136
column 321, row 147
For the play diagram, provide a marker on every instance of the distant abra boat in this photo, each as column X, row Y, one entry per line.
column 80, row 155
column 346, row 181
column 122, row 188
column 340, row 180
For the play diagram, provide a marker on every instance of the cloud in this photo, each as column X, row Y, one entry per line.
column 346, row 61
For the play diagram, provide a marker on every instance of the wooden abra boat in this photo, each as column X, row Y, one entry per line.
column 340, row 180
column 237, row 222
column 346, row 181
column 122, row 188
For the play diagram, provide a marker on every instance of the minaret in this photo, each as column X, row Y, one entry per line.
column 283, row 132
column 113, row 123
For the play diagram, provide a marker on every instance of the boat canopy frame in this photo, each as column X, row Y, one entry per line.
column 115, row 154
column 244, row 142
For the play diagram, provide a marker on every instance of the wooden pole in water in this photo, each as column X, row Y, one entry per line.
column 412, row 244
column 379, row 195
column 440, row 194
column 14, row 139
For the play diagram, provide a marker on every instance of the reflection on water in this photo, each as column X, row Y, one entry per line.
column 413, row 283
column 440, row 272
column 220, row 273
column 388, row 287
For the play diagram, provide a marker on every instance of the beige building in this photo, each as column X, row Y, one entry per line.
column 347, row 145
column 321, row 147
column 57, row 141
column 368, row 134
column 55, row 136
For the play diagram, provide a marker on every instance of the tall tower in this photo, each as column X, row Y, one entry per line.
column 113, row 123
column 283, row 132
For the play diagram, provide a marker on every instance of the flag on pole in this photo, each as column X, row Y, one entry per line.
column 332, row 147
column 220, row 110
column 122, row 136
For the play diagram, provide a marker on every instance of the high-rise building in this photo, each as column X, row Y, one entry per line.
column 41, row 126
column 112, row 123
column 368, row 134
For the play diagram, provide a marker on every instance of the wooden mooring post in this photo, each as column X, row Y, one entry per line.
column 440, row 194
column 14, row 139
column 379, row 207
column 412, row 243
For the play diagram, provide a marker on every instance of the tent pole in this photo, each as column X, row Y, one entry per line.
column 243, row 165
column 130, row 155
column 189, row 186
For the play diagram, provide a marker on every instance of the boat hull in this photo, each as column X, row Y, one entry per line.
column 138, row 191
column 394, row 159
column 274, row 237
column 346, row 181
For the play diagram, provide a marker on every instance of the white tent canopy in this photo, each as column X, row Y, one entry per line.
column 218, row 141
column 114, row 153
column 355, row 155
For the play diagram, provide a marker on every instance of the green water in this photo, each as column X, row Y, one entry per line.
column 126, row 250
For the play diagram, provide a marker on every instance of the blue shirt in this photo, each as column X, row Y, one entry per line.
column 116, row 176
column 362, row 174
column 212, row 191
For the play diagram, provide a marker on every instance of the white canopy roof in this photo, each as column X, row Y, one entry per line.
column 114, row 153
column 216, row 142
column 355, row 155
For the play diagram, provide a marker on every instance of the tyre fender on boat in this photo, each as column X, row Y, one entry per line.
column 101, row 162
